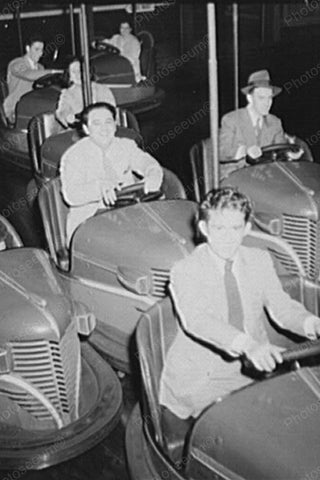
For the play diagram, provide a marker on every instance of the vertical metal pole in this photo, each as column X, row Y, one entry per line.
column 213, row 91
column 18, row 16
column 72, row 32
column 85, row 54
column 235, row 21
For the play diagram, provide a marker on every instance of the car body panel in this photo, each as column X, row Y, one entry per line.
column 268, row 430
column 58, row 397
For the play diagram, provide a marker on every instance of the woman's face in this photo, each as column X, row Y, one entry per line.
column 75, row 72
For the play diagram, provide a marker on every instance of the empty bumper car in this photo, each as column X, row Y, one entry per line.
column 260, row 431
column 58, row 398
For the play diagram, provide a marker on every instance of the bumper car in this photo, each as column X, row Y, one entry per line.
column 58, row 397
column 260, row 431
column 286, row 203
column 118, row 262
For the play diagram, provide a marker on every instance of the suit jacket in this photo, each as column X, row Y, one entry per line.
column 195, row 374
column 237, row 129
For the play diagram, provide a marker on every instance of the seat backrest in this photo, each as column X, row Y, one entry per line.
column 127, row 119
column 172, row 187
column 156, row 330
column 9, row 238
column 147, row 64
column 4, row 91
column 307, row 154
column 201, row 158
column 54, row 213
column 3, row 94
column 39, row 129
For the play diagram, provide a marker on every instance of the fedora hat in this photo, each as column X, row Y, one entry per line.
column 260, row 79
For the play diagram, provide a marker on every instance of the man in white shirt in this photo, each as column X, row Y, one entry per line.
column 21, row 74
column 95, row 167
column 220, row 292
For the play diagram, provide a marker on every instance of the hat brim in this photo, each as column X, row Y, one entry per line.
column 248, row 89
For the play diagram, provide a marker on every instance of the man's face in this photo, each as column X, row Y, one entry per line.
column 35, row 51
column 125, row 29
column 225, row 230
column 261, row 100
column 101, row 126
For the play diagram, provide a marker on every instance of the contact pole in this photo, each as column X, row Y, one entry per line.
column 213, row 94
column 73, row 38
column 85, row 54
column 235, row 22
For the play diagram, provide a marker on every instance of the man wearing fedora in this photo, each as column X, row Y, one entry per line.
column 246, row 130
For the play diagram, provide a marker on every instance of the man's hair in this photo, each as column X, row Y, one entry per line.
column 94, row 106
column 36, row 37
column 225, row 197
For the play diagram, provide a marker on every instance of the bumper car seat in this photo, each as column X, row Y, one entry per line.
column 172, row 187
column 147, row 62
column 3, row 94
column 202, row 168
column 54, row 213
column 39, row 129
column 155, row 333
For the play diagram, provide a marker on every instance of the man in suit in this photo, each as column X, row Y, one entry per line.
column 220, row 292
column 22, row 72
column 246, row 130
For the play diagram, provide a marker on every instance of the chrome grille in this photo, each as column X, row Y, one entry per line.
column 51, row 367
column 301, row 233
column 160, row 281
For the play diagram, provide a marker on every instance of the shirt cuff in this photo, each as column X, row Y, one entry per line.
column 240, row 343
column 309, row 327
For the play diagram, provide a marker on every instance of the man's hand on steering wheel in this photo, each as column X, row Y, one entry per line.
column 264, row 357
column 254, row 152
column 109, row 195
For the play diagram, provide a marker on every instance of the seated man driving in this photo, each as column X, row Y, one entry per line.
column 98, row 165
column 246, row 130
column 220, row 292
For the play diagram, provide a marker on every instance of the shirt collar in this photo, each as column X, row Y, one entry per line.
column 220, row 262
column 33, row 65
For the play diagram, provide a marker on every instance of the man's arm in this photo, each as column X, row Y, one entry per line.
column 279, row 135
column 230, row 146
column 144, row 164
column 21, row 70
column 284, row 310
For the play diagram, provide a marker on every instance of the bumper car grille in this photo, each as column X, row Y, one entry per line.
column 302, row 234
column 53, row 368
column 160, row 281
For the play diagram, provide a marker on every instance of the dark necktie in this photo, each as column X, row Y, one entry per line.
column 258, row 129
column 233, row 297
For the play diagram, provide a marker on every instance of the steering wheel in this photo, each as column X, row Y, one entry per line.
column 48, row 80
column 134, row 193
column 301, row 351
column 106, row 47
column 275, row 153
